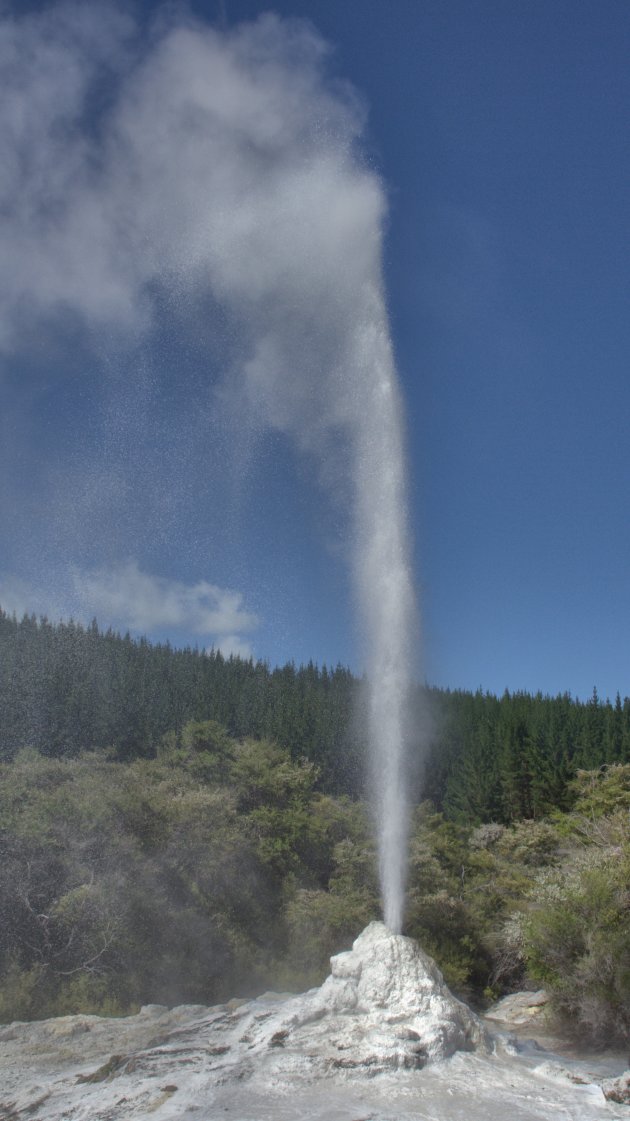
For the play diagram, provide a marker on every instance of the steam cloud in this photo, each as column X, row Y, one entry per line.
column 224, row 167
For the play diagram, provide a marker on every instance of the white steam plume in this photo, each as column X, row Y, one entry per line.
column 224, row 164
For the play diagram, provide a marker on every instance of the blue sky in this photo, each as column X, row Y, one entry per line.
column 133, row 487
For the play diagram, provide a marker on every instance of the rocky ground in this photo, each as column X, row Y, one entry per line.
column 383, row 1039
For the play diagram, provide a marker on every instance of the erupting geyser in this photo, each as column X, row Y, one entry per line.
column 387, row 601
column 287, row 234
column 384, row 1010
column 225, row 173
column 296, row 256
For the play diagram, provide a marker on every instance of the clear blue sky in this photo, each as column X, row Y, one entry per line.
column 500, row 133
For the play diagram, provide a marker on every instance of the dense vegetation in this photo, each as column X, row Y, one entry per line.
column 175, row 826
column 162, row 880
column 65, row 689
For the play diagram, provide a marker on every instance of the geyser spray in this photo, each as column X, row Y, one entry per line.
column 226, row 173
column 385, row 588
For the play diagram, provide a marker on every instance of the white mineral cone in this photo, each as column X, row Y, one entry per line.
column 384, row 1006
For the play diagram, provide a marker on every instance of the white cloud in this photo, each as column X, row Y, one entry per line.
column 128, row 597
column 125, row 597
column 233, row 644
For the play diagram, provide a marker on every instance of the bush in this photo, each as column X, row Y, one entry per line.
column 601, row 792
column 577, row 943
column 532, row 843
column 194, row 876
column 321, row 924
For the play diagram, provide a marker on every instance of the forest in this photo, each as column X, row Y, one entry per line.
column 177, row 826
column 66, row 689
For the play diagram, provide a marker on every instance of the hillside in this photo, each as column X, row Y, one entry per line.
column 65, row 689
column 177, row 826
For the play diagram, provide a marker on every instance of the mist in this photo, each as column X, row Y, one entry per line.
column 221, row 172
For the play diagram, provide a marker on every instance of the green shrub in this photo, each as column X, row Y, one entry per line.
column 219, row 869
column 601, row 792
column 577, row 943
column 532, row 843
column 321, row 924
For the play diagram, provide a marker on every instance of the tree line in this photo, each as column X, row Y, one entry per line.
column 66, row 688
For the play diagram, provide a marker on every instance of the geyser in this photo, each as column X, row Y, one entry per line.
column 224, row 173
column 384, row 1011
column 387, row 604
column 280, row 219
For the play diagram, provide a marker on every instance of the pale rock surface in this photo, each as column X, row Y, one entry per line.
column 617, row 1089
column 383, row 1039
column 388, row 1002
column 519, row 1008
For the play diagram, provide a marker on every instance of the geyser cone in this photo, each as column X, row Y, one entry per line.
column 385, row 1006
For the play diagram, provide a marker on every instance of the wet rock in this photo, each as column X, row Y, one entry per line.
column 617, row 1089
